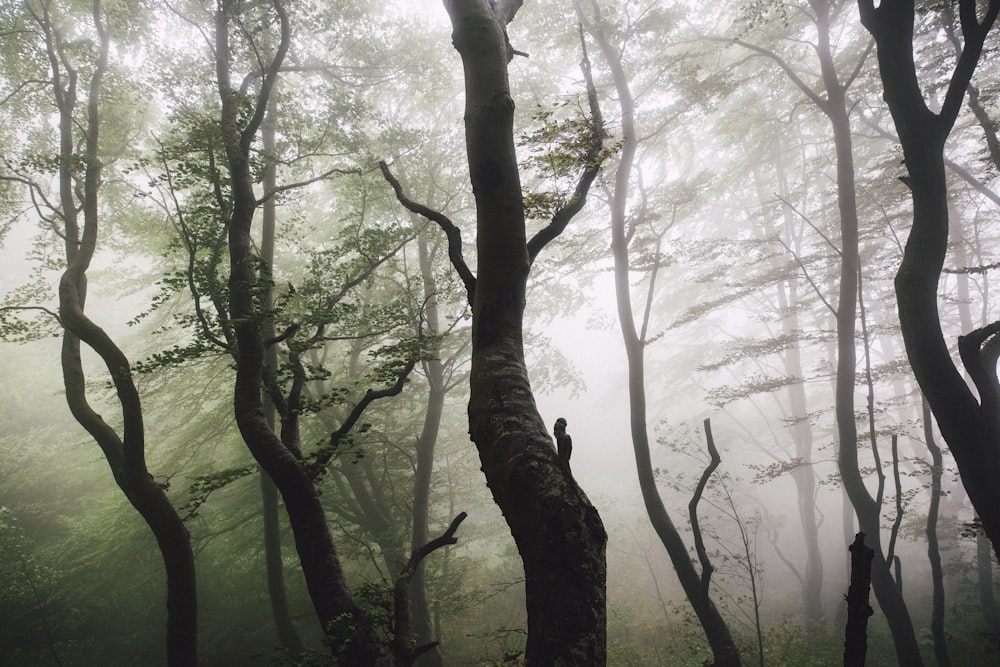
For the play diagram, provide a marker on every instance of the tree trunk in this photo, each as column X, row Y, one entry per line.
column 558, row 533
column 866, row 508
column 858, row 609
column 933, row 551
column 969, row 426
column 716, row 630
column 347, row 628
column 126, row 452
column 420, row 617
column 270, row 514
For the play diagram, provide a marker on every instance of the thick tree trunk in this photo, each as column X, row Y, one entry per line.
column 557, row 531
column 969, row 426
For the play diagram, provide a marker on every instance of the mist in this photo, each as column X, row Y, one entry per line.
column 293, row 296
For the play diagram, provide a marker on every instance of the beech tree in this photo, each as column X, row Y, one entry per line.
column 624, row 240
column 558, row 532
column 967, row 423
column 77, row 63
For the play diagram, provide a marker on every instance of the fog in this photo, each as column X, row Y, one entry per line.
column 262, row 339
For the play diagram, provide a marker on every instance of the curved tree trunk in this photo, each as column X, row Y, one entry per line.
column 969, row 426
column 126, row 452
column 716, row 630
column 348, row 629
column 558, row 533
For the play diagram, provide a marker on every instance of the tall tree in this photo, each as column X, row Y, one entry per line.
column 78, row 61
column 696, row 586
column 351, row 633
column 833, row 102
column 969, row 424
column 558, row 532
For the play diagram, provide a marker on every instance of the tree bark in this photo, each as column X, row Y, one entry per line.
column 858, row 609
column 124, row 452
column 969, row 426
column 558, row 533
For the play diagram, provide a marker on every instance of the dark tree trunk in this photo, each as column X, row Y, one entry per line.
column 558, row 532
column 858, row 609
column 349, row 631
column 933, row 551
column 126, row 452
column 969, row 426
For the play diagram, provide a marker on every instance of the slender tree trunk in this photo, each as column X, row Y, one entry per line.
column 804, row 476
column 270, row 514
column 933, row 551
column 126, row 452
column 865, row 507
column 716, row 630
column 434, row 370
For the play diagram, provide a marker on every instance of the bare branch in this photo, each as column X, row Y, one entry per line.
column 699, row 541
column 370, row 397
column 308, row 181
column 453, row 233
column 976, row 360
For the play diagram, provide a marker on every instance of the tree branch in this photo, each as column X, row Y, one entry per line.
column 370, row 397
column 308, row 181
column 975, row 359
column 401, row 594
column 453, row 233
column 699, row 540
column 592, row 165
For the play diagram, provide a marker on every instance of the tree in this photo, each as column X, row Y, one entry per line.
column 351, row 634
column 558, row 533
column 696, row 587
column 968, row 424
column 75, row 213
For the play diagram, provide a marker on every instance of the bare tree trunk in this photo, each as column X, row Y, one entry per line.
column 968, row 425
column 858, row 609
column 124, row 452
column 714, row 626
